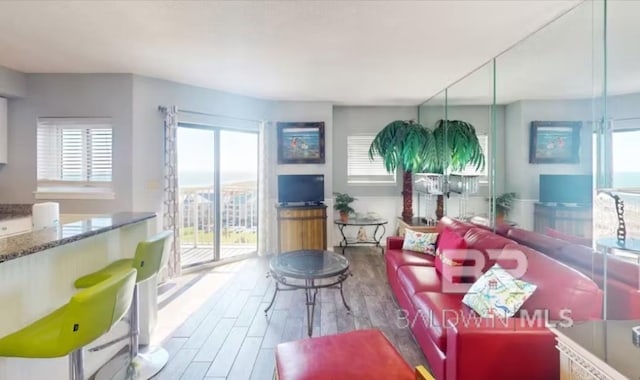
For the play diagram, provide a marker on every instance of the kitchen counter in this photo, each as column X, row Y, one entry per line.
column 13, row 211
column 28, row 243
column 38, row 270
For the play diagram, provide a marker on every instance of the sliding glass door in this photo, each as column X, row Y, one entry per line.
column 218, row 180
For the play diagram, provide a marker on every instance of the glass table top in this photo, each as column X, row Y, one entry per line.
column 631, row 245
column 610, row 341
column 362, row 221
column 309, row 264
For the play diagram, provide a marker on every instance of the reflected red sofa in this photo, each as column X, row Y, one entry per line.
column 457, row 343
column 623, row 280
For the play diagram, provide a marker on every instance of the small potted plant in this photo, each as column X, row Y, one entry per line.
column 343, row 205
column 504, row 204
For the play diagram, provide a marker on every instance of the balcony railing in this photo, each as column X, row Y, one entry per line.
column 238, row 218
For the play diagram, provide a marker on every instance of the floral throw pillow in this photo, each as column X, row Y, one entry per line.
column 498, row 294
column 420, row 242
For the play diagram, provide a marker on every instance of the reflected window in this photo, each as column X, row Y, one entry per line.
column 626, row 170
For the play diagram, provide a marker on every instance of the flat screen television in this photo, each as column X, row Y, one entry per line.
column 566, row 188
column 295, row 189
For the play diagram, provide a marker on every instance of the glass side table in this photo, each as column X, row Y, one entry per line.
column 375, row 239
column 607, row 245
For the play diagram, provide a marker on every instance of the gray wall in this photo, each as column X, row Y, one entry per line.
column 148, row 133
column 363, row 120
column 13, row 84
column 69, row 95
column 523, row 177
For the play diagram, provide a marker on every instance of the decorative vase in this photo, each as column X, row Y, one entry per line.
column 344, row 217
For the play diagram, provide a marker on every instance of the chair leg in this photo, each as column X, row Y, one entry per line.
column 134, row 324
column 76, row 366
column 143, row 365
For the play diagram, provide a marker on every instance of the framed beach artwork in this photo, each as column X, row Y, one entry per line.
column 301, row 143
column 554, row 142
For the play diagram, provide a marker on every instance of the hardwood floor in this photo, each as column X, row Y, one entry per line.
column 229, row 336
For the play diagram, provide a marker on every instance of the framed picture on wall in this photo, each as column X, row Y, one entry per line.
column 300, row 143
column 554, row 142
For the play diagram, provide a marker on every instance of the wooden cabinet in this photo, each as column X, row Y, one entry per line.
column 571, row 220
column 302, row 227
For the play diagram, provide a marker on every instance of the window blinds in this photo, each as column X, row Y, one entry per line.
column 75, row 150
column 360, row 168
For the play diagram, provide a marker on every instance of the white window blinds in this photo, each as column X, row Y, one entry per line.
column 361, row 169
column 75, row 151
column 470, row 169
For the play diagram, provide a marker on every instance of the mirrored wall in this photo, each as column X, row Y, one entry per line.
column 558, row 118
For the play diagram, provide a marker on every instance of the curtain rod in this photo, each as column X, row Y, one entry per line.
column 164, row 109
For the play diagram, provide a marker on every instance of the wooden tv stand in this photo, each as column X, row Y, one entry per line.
column 302, row 227
column 571, row 220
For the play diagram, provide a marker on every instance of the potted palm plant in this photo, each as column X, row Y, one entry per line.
column 343, row 205
column 403, row 145
column 456, row 147
column 504, row 204
column 451, row 146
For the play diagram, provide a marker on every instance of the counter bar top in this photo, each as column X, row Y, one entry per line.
column 17, row 246
column 13, row 211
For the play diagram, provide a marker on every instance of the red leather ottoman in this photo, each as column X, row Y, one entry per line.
column 353, row 355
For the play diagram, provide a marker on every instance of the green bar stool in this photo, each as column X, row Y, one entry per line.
column 149, row 259
column 89, row 314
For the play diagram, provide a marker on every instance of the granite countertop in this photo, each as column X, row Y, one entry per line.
column 17, row 246
column 12, row 211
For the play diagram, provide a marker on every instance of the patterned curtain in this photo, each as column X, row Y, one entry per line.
column 171, row 214
column 267, row 235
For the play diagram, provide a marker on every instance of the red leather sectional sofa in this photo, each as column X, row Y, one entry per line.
column 460, row 345
column 623, row 287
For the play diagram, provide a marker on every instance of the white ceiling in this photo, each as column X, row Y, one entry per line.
column 345, row 52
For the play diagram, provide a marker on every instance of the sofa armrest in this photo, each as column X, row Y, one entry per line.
column 395, row 242
column 501, row 349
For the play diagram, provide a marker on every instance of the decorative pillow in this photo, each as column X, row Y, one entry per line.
column 420, row 242
column 449, row 240
column 498, row 294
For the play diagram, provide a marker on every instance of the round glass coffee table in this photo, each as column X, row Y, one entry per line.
column 309, row 270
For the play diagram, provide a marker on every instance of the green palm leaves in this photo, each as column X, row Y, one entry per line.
column 452, row 145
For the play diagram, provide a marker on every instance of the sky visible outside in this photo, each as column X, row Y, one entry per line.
column 238, row 156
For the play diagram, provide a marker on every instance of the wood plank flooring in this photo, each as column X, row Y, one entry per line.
column 203, row 254
column 229, row 336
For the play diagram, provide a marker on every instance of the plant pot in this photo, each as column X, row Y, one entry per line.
column 499, row 219
column 344, row 217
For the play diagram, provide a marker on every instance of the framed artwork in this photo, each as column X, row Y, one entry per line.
column 554, row 142
column 301, row 143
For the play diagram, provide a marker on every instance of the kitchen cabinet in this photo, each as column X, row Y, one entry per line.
column 14, row 226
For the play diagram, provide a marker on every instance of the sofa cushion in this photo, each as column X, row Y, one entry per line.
column 457, row 226
column 559, row 287
column 421, row 242
column 448, row 244
column 414, row 279
column 397, row 258
column 483, row 241
column 498, row 294
column 435, row 309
